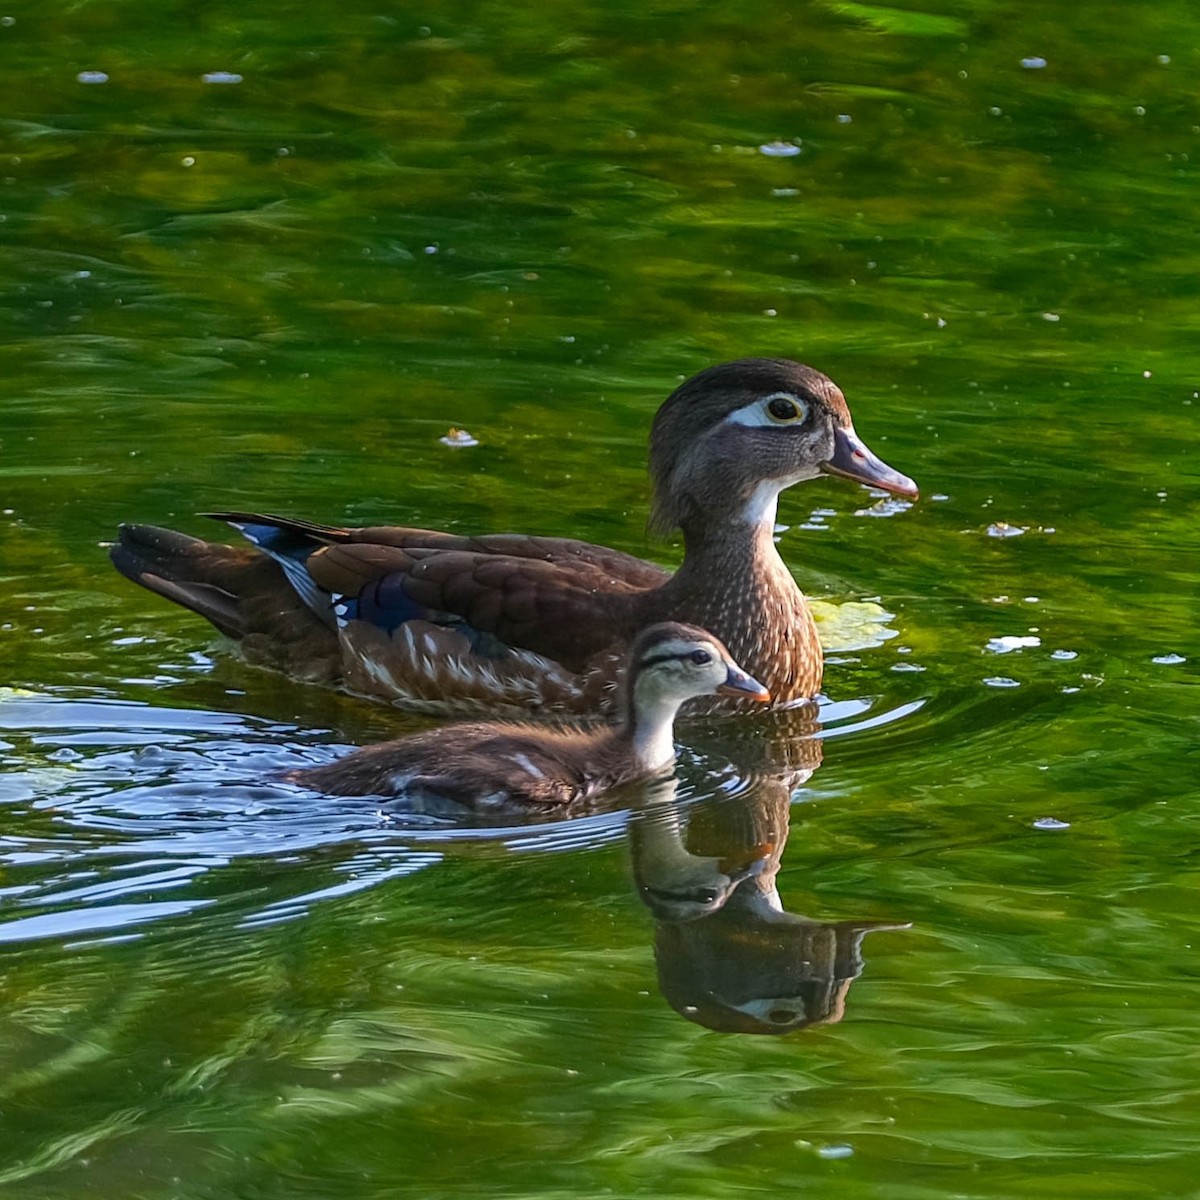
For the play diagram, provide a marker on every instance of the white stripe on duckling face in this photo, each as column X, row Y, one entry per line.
column 667, row 675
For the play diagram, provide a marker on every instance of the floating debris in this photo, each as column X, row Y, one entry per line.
column 851, row 624
column 1006, row 645
column 778, row 149
column 459, row 439
column 1002, row 529
column 885, row 506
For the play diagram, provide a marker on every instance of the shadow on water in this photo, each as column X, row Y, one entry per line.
column 135, row 817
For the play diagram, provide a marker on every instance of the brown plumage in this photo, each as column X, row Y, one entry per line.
column 511, row 622
column 502, row 768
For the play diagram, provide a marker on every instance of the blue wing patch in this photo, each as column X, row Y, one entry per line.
column 385, row 605
column 290, row 550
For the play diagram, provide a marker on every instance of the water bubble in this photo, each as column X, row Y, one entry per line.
column 188, row 161
column 91, row 77
column 1001, row 681
column 8, row 22
column 835, row 1152
column 1033, row 63
column 1051, row 823
column 1139, row 110
column 995, row 111
column 1064, row 655
column 221, row 77
column 1002, row 529
column 1168, row 660
column 1007, row 644
column 844, row 118
column 1050, row 317
column 458, row 439
column 779, row 149
column 1164, row 59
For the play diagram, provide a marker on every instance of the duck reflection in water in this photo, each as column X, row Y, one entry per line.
column 729, row 957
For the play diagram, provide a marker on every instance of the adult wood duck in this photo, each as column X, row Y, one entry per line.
column 506, row 621
column 502, row 767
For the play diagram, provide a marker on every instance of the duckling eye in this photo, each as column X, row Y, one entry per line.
column 700, row 657
column 785, row 409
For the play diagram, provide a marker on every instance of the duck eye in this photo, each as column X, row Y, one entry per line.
column 785, row 409
column 699, row 657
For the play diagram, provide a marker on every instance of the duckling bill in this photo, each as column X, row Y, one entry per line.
column 503, row 767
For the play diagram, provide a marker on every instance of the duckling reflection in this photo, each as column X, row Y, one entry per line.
column 729, row 957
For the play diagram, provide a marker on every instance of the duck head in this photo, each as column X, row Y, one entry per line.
column 727, row 441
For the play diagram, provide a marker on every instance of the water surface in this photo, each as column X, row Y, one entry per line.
column 267, row 258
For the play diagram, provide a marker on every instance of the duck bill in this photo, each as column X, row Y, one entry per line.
column 745, row 687
column 852, row 459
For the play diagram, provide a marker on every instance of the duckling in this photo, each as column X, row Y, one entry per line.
column 504, row 767
column 509, row 622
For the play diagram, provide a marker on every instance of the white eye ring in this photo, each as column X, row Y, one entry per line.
column 758, row 415
column 775, row 407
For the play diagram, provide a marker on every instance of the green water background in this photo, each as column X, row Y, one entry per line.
column 530, row 221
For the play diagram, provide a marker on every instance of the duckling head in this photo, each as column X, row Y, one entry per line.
column 670, row 663
column 727, row 441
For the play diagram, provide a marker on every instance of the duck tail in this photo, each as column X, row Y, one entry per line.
column 246, row 593
column 192, row 572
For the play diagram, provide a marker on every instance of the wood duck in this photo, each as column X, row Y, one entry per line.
column 505, row 622
column 503, row 767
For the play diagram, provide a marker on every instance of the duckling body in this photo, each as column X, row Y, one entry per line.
column 510, row 622
column 499, row 767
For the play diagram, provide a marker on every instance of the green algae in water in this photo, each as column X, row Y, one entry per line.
column 529, row 222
